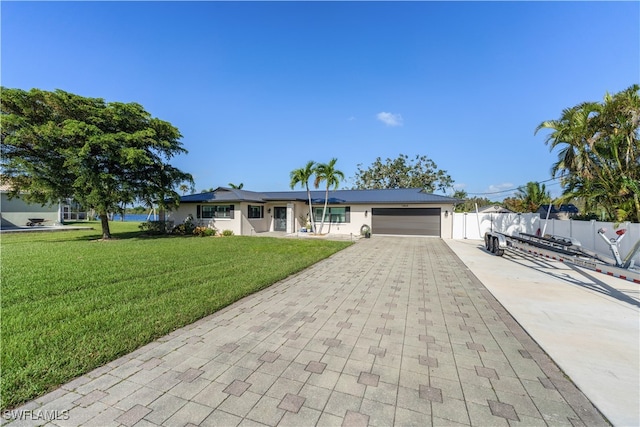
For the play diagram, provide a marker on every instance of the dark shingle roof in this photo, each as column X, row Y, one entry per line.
column 397, row 195
column 569, row 208
column 224, row 194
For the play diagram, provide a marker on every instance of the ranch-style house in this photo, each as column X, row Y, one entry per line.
column 407, row 211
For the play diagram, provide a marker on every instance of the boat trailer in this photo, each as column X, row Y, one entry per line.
column 569, row 251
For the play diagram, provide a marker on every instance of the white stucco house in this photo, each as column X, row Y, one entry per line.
column 391, row 211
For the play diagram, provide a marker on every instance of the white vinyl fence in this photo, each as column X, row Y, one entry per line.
column 473, row 226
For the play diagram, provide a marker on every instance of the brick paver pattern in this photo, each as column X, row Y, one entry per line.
column 391, row 331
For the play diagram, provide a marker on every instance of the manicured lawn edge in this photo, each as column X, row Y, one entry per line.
column 71, row 304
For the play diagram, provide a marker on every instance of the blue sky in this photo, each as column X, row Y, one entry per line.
column 259, row 88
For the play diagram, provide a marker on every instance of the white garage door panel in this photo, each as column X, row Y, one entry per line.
column 406, row 221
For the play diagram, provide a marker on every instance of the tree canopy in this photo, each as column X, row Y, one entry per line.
column 599, row 153
column 468, row 204
column 528, row 198
column 402, row 172
column 58, row 145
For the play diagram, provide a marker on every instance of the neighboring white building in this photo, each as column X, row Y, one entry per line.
column 16, row 212
column 393, row 211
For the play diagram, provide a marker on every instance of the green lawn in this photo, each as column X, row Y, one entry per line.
column 71, row 303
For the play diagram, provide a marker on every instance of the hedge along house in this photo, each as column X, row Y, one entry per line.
column 409, row 211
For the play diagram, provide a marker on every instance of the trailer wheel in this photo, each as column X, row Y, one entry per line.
column 490, row 244
column 487, row 238
column 496, row 247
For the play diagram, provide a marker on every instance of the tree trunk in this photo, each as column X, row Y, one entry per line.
column 104, row 221
column 311, row 219
column 324, row 211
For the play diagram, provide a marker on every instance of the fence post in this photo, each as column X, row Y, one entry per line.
column 464, row 226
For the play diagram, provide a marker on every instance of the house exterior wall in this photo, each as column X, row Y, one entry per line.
column 180, row 214
column 360, row 214
column 16, row 212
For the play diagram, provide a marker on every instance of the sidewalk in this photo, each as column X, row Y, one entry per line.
column 390, row 331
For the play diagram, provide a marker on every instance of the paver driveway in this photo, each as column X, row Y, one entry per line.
column 391, row 331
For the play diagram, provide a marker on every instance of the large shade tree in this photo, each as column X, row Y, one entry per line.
column 332, row 177
column 403, row 172
column 599, row 153
column 302, row 176
column 57, row 145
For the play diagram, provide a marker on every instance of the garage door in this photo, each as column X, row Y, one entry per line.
column 406, row 221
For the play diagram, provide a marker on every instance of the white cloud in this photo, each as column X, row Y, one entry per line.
column 500, row 187
column 390, row 119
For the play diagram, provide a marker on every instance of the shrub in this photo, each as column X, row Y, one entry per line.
column 204, row 232
column 227, row 233
column 156, row 227
column 185, row 228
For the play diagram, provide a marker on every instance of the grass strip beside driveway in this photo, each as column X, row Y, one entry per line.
column 71, row 304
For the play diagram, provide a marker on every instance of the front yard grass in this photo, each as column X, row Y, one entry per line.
column 71, row 303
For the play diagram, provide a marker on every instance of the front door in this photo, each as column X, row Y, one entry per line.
column 280, row 219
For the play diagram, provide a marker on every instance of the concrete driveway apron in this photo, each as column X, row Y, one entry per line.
column 391, row 331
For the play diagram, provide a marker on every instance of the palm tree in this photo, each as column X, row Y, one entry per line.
column 598, row 153
column 237, row 187
column 571, row 134
column 184, row 188
column 302, row 176
column 328, row 173
column 533, row 195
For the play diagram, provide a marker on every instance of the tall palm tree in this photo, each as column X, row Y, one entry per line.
column 570, row 133
column 328, row 173
column 599, row 151
column 184, row 188
column 236, row 187
column 302, row 176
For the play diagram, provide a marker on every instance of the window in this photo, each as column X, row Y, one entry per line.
column 334, row 215
column 256, row 212
column 214, row 211
column 207, row 211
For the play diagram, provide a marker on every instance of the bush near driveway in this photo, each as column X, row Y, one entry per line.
column 71, row 304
